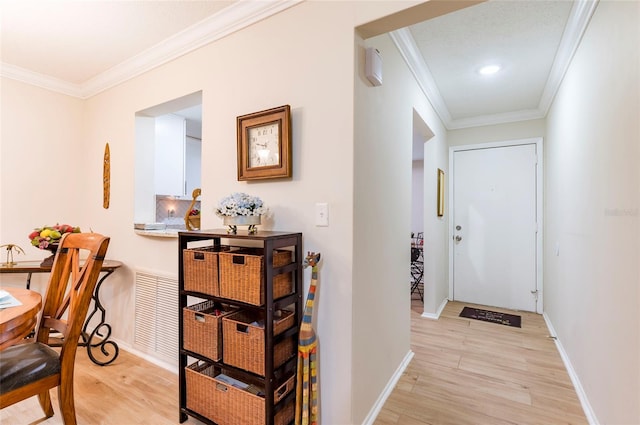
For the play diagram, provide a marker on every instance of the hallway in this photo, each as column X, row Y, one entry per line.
column 471, row 372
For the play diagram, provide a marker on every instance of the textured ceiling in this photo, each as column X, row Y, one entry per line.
column 522, row 36
column 82, row 47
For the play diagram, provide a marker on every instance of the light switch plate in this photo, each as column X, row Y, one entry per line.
column 322, row 214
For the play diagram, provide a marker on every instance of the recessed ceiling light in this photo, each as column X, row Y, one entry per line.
column 489, row 69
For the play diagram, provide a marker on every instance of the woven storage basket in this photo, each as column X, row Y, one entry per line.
column 242, row 275
column 203, row 328
column 228, row 405
column 243, row 342
column 201, row 269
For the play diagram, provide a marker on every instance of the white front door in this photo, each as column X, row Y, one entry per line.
column 494, row 226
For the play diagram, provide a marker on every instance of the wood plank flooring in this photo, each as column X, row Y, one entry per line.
column 463, row 372
column 130, row 391
column 467, row 371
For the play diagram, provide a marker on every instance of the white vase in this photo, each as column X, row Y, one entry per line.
column 242, row 220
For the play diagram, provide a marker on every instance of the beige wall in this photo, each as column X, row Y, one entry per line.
column 41, row 153
column 51, row 169
column 304, row 57
column 384, row 130
column 592, row 151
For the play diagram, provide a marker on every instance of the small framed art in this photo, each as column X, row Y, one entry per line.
column 440, row 201
column 264, row 144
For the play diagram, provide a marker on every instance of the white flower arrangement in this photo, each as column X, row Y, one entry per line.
column 240, row 204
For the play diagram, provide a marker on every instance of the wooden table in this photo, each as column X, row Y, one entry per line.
column 98, row 338
column 18, row 322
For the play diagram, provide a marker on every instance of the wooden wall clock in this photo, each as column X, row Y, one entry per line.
column 264, row 144
column 106, row 177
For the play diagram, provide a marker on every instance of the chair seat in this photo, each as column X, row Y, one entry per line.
column 25, row 363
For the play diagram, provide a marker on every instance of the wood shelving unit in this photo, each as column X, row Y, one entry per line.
column 274, row 377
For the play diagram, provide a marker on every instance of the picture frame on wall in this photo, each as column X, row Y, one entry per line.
column 264, row 144
column 440, row 193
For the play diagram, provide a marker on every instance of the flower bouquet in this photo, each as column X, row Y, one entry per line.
column 48, row 237
column 241, row 209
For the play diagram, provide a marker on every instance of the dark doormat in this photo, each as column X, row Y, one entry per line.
column 491, row 316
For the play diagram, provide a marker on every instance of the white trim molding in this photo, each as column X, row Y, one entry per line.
column 582, row 396
column 576, row 26
column 40, row 80
column 436, row 315
column 237, row 16
column 579, row 18
column 388, row 389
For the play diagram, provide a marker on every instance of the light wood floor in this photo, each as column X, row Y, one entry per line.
column 129, row 391
column 471, row 372
column 463, row 372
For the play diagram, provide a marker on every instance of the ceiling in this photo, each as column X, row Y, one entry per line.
column 533, row 41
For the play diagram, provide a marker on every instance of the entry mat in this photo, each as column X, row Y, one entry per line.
column 491, row 316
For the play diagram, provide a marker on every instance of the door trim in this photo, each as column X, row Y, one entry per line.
column 537, row 141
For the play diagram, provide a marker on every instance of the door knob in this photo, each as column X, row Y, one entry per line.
column 458, row 227
column 457, row 238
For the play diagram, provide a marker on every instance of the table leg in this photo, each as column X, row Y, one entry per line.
column 102, row 336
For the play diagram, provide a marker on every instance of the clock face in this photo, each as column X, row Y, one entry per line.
column 264, row 145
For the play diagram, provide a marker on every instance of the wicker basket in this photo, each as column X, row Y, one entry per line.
column 228, row 405
column 242, row 275
column 203, row 328
column 243, row 340
column 201, row 269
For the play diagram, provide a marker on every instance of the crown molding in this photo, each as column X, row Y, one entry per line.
column 40, row 80
column 579, row 18
column 493, row 119
column 406, row 44
column 239, row 15
column 576, row 26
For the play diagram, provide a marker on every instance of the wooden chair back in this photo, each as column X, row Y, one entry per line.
column 71, row 285
column 33, row 368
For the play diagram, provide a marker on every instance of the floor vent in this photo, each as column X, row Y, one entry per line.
column 156, row 316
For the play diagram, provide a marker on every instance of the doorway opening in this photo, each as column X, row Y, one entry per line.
column 419, row 219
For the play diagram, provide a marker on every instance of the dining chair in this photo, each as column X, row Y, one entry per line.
column 32, row 367
column 417, row 272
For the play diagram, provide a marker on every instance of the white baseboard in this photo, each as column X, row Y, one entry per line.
column 126, row 347
column 438, row 312
column 375, row 410
column 582, row 396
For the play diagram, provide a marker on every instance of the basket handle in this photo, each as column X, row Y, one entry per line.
column 199, row 317
column 281, row 391
column 198, row 255
column 242, row 328
column 221, row 387
column 238, row 260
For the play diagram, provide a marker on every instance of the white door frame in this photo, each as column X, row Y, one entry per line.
column 539, row 207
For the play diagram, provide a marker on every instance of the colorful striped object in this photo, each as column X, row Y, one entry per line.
column 307, row 380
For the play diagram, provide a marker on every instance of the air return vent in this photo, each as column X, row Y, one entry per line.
column 156, row 316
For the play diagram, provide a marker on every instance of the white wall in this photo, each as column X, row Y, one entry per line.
column 592, row 213
column 293, row 58
column 497, row 133
column 417, row 196
column 436, row 241
column 382, row 219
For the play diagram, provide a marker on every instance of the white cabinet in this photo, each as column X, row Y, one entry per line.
column 177, row 157
column 193, row 167
column 169, row 155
